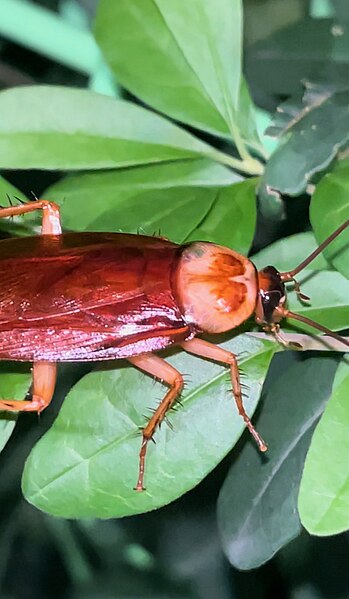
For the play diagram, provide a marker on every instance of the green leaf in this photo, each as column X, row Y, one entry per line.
column 182, row 58
column 329, row 208
column 313, row 140
column 329, row 300
column 174, row 215
column 13, row 385
column 87, row 464
column 257, row 504
column 135, row 199
column 324, row 492
column 232, row 218
column 286, row 253
column 15, row 225
column 305, row 45
column 65, row 128
column 7, row 189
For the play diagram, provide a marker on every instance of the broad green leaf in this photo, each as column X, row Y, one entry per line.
column 232, row 218
column 286, row 253
column 183, row 58
column 66, row 129
column 174, row 215
column 13, row 385
column 312, row 48
column 257, row 504
column 311, row 143
column 9, row 192
column 329, row 208
column 324, row 492
column 87, row 464
column 329, row 300
column 109, row 195
column 7, row 189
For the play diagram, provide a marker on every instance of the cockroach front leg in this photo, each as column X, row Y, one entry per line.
column 160, row 369
column 44, row 380
column 208, row 350
column 51, row 223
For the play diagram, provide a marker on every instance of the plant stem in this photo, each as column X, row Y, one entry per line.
column 250, row 166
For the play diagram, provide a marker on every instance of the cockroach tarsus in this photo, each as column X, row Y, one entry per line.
column 97, row 296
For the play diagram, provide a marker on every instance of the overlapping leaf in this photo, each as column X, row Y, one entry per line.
column 257, row 512
column 329, row 209
column 13, row 385
column 51, row 133
column 184, row 201
column 182, row 58
column 87, row 464
column 311, row 142
column 324, row 492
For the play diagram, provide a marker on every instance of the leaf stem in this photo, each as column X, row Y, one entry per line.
column 250, row 165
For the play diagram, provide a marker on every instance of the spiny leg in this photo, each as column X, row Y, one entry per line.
column 208, row 350
column 51, row 224
column 162, row 370
column 44, row 380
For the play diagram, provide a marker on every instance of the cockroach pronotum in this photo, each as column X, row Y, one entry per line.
column 99, row 296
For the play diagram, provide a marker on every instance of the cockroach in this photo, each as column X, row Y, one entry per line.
column 98, row 296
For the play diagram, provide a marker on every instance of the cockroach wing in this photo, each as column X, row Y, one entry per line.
column 87, row 296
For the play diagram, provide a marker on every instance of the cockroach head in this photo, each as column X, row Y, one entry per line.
column 271, row 300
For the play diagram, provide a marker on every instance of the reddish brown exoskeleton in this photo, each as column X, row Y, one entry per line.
column 98, row 296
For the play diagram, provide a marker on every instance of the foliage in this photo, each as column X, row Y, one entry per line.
column 178, row 147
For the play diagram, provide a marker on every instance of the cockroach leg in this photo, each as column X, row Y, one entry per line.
column 44, row 380
column 51, row 223
column 208, row 350
column 160, row 369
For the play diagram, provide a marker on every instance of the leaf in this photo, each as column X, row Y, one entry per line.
column 231, row 220
column 313, row 140
column 309, row 46
column 329, row 303
column 14, row 225
column 286, row 253
column 65, row 128
column 86, row 465
column 257, row 504
column 13, row 385
column 324, row 492
column 139, row 194
column 183, row 59
column 174, row 216
column 329, row 208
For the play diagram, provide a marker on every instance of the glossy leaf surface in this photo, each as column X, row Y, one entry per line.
column 104, row 133
column 232, row 219
column 324, row 492
column 257, row 512
column 171, row 198
column 182, row 58
column 13, row 385
column 286, row 253
column 86, row 465
column 329, row 208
